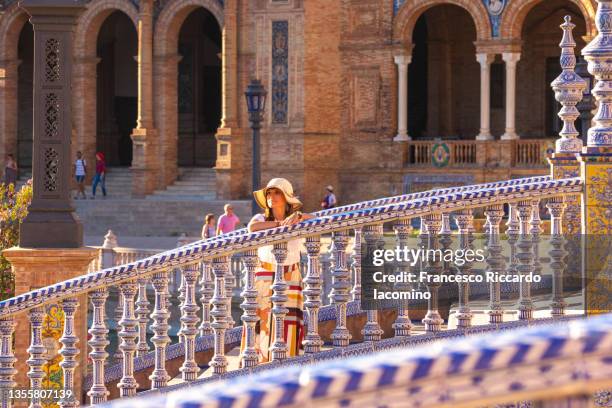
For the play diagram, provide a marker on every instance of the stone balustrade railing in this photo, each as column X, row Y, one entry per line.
column 205, row 265
column 530, row 153
column 556, row 365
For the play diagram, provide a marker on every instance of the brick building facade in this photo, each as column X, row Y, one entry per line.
column 372, row 96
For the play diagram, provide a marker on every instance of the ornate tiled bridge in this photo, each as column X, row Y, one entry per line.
column 519, row 349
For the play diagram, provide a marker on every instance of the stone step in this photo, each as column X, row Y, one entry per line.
column 190, row 188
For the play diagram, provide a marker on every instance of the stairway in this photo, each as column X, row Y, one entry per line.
column 118, row 184
column 193, row 184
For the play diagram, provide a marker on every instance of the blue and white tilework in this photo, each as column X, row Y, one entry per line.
column 280, row 71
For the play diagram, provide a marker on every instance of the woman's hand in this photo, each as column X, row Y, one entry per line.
column 292, row 219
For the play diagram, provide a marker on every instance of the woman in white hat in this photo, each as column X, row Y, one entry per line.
column 281, row 207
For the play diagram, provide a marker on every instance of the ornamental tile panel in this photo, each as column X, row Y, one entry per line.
column 280, row 71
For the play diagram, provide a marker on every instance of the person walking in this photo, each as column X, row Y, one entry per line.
column 227, row 221
column 329, row 201
column 80, row 171
column 208, row 231
column 280, row 207
column 10, row 170
column 100, row 175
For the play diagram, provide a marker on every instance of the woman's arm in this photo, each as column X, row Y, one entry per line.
column 255, row 225
column 297, row 217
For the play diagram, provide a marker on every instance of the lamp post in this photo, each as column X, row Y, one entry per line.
column 256, row 103
column 587, row 104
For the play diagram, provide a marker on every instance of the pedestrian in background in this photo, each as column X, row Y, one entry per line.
column 329, row 201
column 10, row 170
column 228, row 221
column 100, row 175
column 208, row 231
column 80, row 171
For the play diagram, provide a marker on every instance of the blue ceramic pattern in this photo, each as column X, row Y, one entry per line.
column 280, row 71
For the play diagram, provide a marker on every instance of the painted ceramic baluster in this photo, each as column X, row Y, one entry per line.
column 433, row 321
column 464, row 314
column 356, row 291
column 494, row 214
column 279, row 300
column 69, row 352
column 142, row 312
column 128, row 335
column 220, row 268
column 340, row 289
column 7, row 360
column 556, row 207
column 525, row 257
column 312, row 292
column 535, row 222
column 230, row 283
column 189, row 320
column 207, row 290
column 372, row 235
column 512, row 232
column 37, row 355
column 249, row 357
column 99, row 340
column 181, row 299
column 118, row 315
column 159, row 378
column 402, row 324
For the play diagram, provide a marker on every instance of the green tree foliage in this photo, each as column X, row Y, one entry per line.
column 13, row 209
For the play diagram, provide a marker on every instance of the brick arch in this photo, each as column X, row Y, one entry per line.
column 411, row 10
column 90, row 22
column 516, row 12
column 171, row 19
column 11, row 23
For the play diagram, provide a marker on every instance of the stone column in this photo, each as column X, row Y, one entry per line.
column 144, row 136
column 485, row 61
column 51, row 221
column 511, row 59
column 596, row 171
column 402, row 62
column 9, row 79
column 31, row 268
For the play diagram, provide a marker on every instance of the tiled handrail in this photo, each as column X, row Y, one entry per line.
column 560, row 360
column 226, row 244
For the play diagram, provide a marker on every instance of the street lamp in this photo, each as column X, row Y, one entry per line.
column 256, row 103
column 587, row 104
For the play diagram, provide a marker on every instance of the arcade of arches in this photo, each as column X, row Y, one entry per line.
column 358, row 91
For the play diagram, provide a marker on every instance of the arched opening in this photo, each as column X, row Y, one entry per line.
column 117, row 88
column 539, row 66
column 25, row 74
column 442, row 75
column 199, row 89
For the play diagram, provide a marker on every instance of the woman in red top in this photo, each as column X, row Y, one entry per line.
column 100, row 175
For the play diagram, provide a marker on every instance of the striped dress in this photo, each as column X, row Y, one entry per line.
column 294, row 323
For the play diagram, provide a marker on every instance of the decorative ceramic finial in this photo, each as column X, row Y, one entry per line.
column 110, row 240
column 569, row 88
column 598, row 53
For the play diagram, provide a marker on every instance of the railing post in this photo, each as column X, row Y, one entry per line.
column 7, row 360
column 312, row 291
column 373, row 237
column 402, row 324
column 249, row 318
column 525, row 257
column 494, row 214
column 230, row 283
column 142, row 312
column 356, row 291
column 433, row 321
column 279, row 301
column 596, row 170
column 181, row 299
column 128, row 335
column 37, row 352
column 535, row 231
column 189, row 319
column 219, row 313
column 207, row 290
column 464, row 221
column 556, row 206
column 340, row 289
column 98, row 342
column 69, row 351
column 512, row 231
column 159, row 378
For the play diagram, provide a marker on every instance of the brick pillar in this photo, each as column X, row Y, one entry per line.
column 145, row 163
column 37, row 268
column 8, row 107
